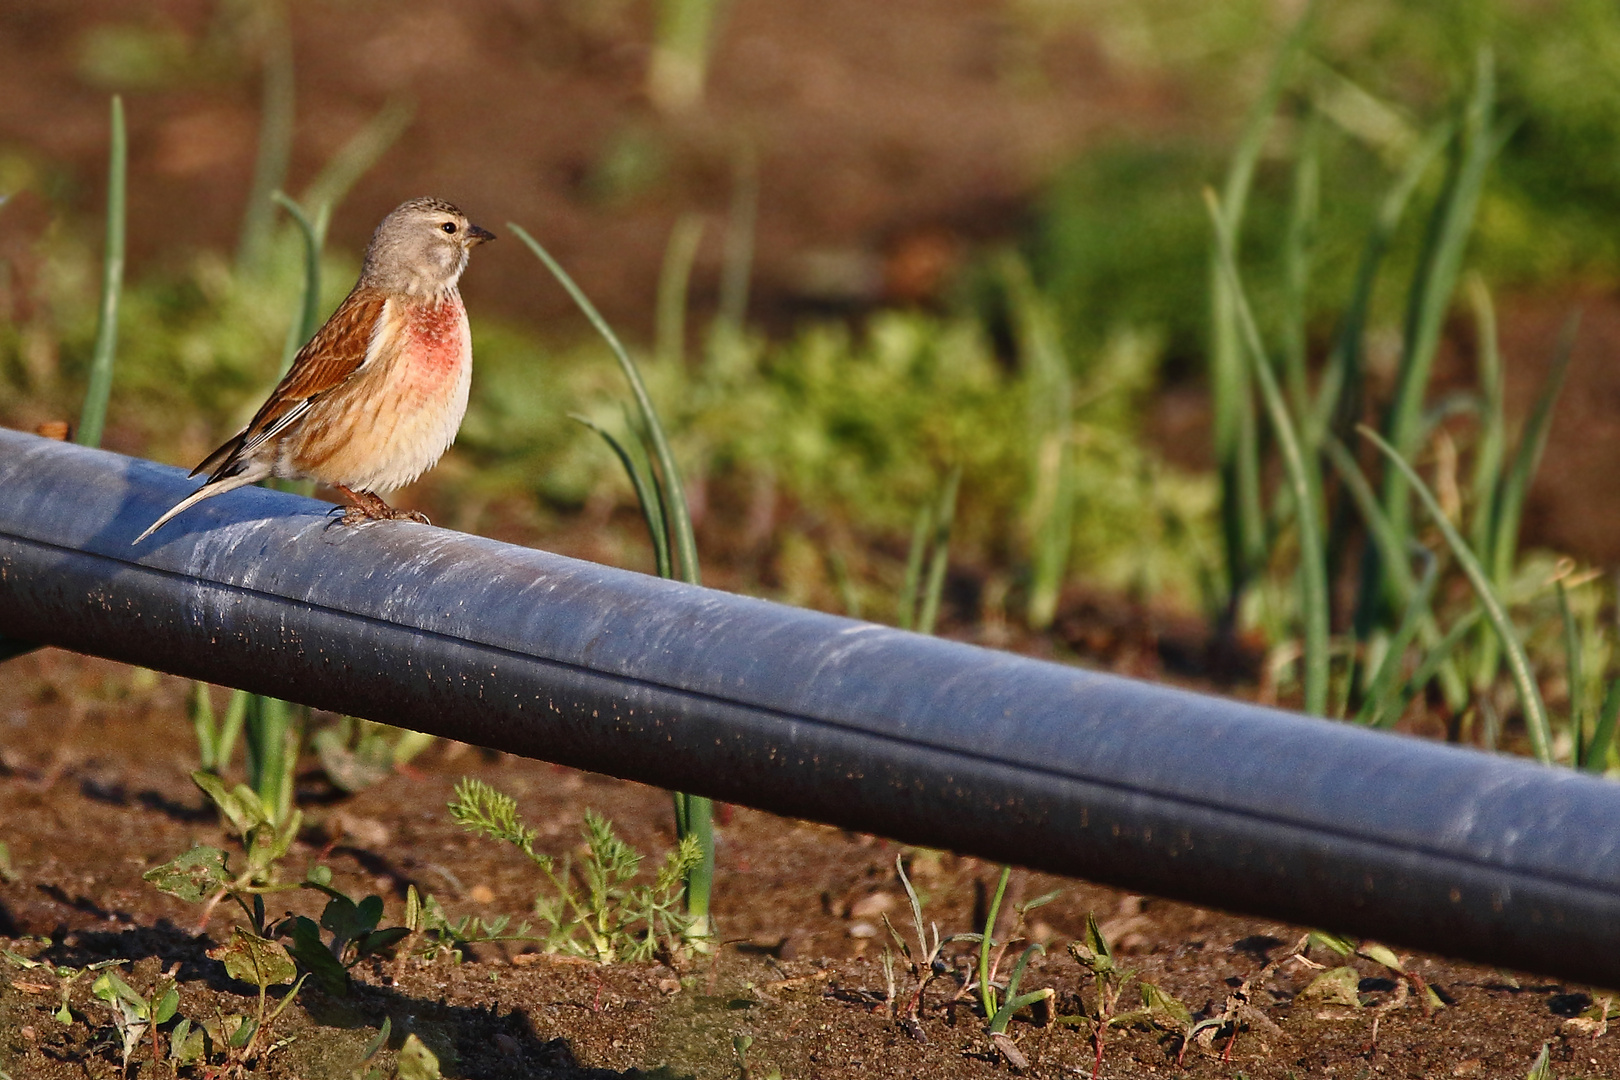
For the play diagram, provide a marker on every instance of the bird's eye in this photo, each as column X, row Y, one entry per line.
column 448, row 226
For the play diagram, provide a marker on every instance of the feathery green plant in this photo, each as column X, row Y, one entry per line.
column 650, row 462
column 610, row 920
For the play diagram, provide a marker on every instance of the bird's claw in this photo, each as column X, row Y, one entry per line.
column 355, row 515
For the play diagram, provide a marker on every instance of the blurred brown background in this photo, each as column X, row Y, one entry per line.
column 886, row 134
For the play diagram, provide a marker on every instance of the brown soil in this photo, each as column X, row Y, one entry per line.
column 94, row 790
column 886, row 134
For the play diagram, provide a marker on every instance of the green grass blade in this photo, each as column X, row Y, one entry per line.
column 1388, row 543
column 272, row 753
column 278, row 104
column 683, row 42
column 738, row 259
column 1342, row 375
column 357, row 156
column 987, row 991
column 1527, row 458
column 1487, row 474
column 309, row 309
column 1535, row 711
column 1380, row 691
column 939, row 558
column 1237, row 448
column 683, row 542
column 1299, row 245
column 921, row 529
column 697, row 813
column 1379, row 530
column 1436, row 659
column 645, row 488
column 230, row 728
column 93, row 414
column 1572, row 661
column 203, row 723
column 673, row 281
column 1430, row 296
column 1489, row 450
column 1303, row 477
column 1050, row 415
column 1597, row 752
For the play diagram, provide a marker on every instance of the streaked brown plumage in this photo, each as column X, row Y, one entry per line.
column 375, row 397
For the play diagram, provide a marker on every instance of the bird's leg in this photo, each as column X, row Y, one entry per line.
column 364, row 506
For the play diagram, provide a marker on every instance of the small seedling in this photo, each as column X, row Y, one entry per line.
column 926, row 963
column 998, row 1014
column 362, row 1069
column 216, row 738
column 1238, row 1008
column 355, row 754
column 134, row 1014
column 203, row 874
column 1109, row 980
column 1333, row 981
column 263, row 963
column 424, row 916
column 998, row 1011
column 65, row 977
column 416, row 1061
column 1541, row 1068
column 354, row 931
column 609, row 920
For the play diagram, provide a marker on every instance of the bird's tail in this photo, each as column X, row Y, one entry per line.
column 207, row 491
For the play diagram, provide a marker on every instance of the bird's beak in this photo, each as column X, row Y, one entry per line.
column 476, row 236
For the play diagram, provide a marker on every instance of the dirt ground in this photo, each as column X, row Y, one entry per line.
column 94, row 790
column 886, row 135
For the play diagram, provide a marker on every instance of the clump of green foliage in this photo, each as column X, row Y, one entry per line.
column 203, row 875
column 595, row 910
column 848, row 425
column 1374, row 578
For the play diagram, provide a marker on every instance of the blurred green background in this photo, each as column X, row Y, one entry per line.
column 929, row 236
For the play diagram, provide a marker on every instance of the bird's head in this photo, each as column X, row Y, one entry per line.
column 421, row 249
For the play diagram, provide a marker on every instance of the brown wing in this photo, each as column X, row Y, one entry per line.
column 328, row 360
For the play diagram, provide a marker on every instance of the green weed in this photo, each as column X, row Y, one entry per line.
column 926, row 962
column 649, row 462
column 204, row 876
column 354, row 929
column 262, row 963
column 1109, row 981
column 594, row 910
column 65, row 976
column 136, row 1014
column 93, row 414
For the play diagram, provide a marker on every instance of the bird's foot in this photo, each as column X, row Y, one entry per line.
column 355, row 515
column 364, row 506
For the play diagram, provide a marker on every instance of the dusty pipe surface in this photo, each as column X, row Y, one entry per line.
column 1184, row 795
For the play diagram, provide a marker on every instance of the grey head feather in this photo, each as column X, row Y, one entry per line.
column 420, row 249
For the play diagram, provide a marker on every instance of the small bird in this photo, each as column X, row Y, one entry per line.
column 374, row 399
